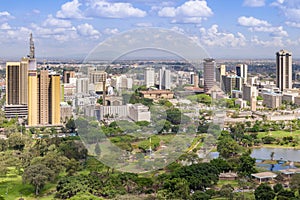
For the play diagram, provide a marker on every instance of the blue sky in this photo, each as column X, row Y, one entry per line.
column 226, row 29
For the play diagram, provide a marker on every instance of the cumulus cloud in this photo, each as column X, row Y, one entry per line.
column 293, row 24
column 254, row 3
column 52, row 21
column 70, row 10
column 61, row 34
column 275, row 31
column 5, row 26
column 214, row 37
column 252, row 21
column 4, row 16
column 258, row 25
column 190, row 12
column 144, row 24
column 88, row 31
column 111, row 31
column 102, row 8
column 275, row 42
column 289, row 8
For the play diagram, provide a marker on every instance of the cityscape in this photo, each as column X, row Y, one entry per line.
column 154, row 112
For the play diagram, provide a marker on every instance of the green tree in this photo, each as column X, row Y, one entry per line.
column 198, row 195
column 227, row 147
column 264, row 192
column 37, row 175
column 227, row 191
column 16, row 141
column 246, row 165
column 177, row 188
column 277, row 188
column 295, row 182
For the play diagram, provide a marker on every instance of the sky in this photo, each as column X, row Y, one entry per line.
column 227, row 29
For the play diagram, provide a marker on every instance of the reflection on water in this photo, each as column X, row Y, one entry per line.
column 279, row 154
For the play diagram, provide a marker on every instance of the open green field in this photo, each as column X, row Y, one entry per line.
column 279, row 134
column 12, row 188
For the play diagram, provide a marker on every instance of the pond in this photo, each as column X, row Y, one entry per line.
column 280, row 154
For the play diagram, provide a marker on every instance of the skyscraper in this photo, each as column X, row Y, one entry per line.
column 12, row 83
column 43, row 94
column 164, row 79
column 149, row 77
column 209, row 73
column 242, row 71
column 220, row 71
column 284, row 70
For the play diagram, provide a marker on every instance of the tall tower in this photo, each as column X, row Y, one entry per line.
column 284, row 70
column 149, row 77
column 242, row 71
column 33, row 101
column 209, row 73
column 32, row 49
column 164, row 79
column 220, row 71
column 12, row 83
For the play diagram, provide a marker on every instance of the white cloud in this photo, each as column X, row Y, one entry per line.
column 252, row 21
column 102, row 8
column 213, row 37
column 293, row 24
column 289, row 8
column 275, row 42
column 4, row 16
column 275, row 31
column 88, row 30
column 70, row 10
column 5, row 26
column 257, row 25
column 52, row 21
column 144, row 24
column 61, row 34
column 254, row 3
column 193, row 11
column 111, row 31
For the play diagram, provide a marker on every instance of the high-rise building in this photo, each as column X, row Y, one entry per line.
column 46, row 96
column 43, row 94
column 284, row 70
column 164, row 79
column 82, row 86
column 13, row 83
column 220, row 71
column 68, row 75
column 242, row 71
column 149, row 77
column 209, row 73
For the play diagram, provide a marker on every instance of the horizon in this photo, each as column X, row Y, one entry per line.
column 70, row 29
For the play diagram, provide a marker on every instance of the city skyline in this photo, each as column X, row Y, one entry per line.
column 256, row 28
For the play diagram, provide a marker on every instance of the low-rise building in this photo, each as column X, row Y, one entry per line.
column 139, row 112
column 65, row 111
column 271, row 99
column 157, row 94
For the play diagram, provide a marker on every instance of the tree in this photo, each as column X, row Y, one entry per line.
column 177, row 188
column 264, row 192
column 198, row 195
column 295, row 182
column 227, row 191
column 16, row 141
column 277, row 188
column 246, row 165
column 227, row 147
column 285, row 195
column 37, row 175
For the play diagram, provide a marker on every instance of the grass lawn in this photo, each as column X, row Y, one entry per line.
column 279, row 134
column 224, row 182
column 12, row 187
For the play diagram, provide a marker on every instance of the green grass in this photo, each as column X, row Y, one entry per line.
column 279, row 134
column 12, row 187
column 225, row 182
